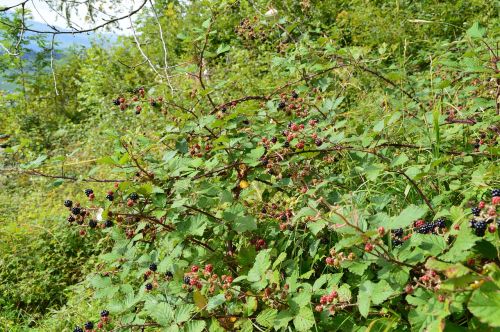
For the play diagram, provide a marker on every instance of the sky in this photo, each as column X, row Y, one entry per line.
column 42, row 13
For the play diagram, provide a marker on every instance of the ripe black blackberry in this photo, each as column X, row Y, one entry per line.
column 169, row 275
column 318, row 142
column 134, row 196
column 88, row 192
column 153, row 267
column 149, row 286
column 116, row 101
column 110, row 197
column 295, row 95
column 286, row 144
column 274, row 139
column 70, row 218
column 440, row 223
column 397, row 232
column 89, row 326
column 108, row 223
column 475, row 211
column 480, row 228
column 76, row 210
column 396, row 242
column 263, row 210
column 281, row 105
column 264, row 162
column 83, row 212
column 68, row 203
column 104, row 313
column 153, row 103
column 78, row 329
column 495, row 193
column 223, row 110
column 426, row 228
column 187, row 280
column 92, row 223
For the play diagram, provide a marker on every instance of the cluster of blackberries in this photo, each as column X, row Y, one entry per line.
column 430, row 227
column 475, row 211
column 88, row 327
column 397, row 235
column 495, row 193
column 479, row 226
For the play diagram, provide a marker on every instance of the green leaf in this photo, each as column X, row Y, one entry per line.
column 216, row 301
column 183, row 313
column 406, row 217
column 195, row 326
column 243, row 224
column 223, row 48
column 266, row 317
column 485, row 304
column 476, row 31
column 262, row 263
column 304, row 319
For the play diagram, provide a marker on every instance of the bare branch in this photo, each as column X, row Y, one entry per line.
column 165, row 53
column 52, row 63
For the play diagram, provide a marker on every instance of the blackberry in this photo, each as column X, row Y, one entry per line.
column 88, row 192
column 264, row 162
column 149, row 286
column 397, row 242
column 76, row 210
column 108, row 223
column 134, row 196
column 110, row 197
column 187, row 280
column 440, row 223
column 480, row 228
column 71, row 218
column 153, row 267
column 318, row 142
column 116, row 102
column 92, row 223
column 223, row 110
column 397, row 232
column 283, row 217
column 263, row 210
column 153, row 103
column 68, row 203
column 476, row 145
column 286, row 144
column 495, row 192
column 475, row 211
column 169, row 275
column 281, row 105
column 78, row 329
column 295, row 95
column 472, row 223
column 274, row 139
column 89, row 326
column 104, row 313
column 426, row 229
column 83, row 213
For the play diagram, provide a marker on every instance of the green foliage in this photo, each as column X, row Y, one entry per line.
column 274, row 161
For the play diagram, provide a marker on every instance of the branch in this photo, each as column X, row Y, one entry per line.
column 4, row 9
column 80, row 31
column 52, row 64
column 62, row 177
